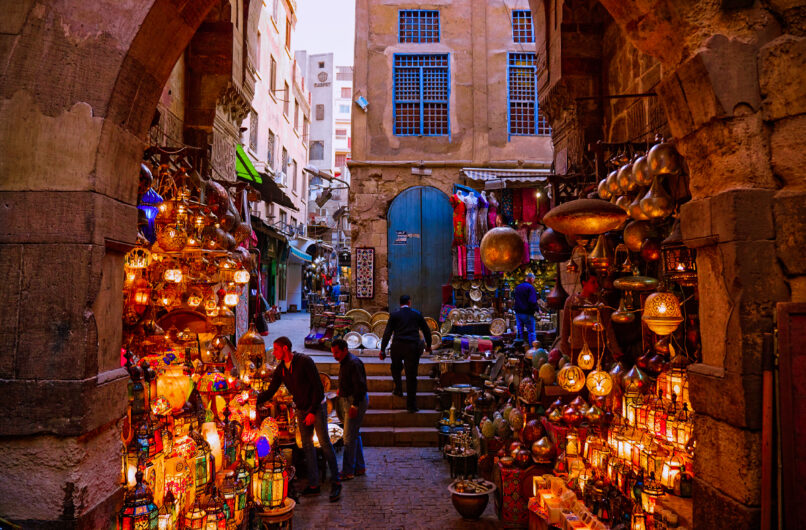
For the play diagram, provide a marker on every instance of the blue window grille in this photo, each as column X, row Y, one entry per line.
column 418, row 25
column 421, row 92
column 522, row 30
column 523, row 115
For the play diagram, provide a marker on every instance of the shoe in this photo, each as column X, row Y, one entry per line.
column 413, row 409
column 345, row 476
column 360, row 472
column 398, row 393
column 312, row 491
column 335, row 491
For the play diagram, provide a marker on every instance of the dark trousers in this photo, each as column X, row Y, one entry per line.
column 406, row 355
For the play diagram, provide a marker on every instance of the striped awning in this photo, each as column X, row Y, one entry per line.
column 506, row 175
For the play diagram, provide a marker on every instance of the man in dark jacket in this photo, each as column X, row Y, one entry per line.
column 406, row 325
column 299, row 374
column 354, row 400
column 525, row 297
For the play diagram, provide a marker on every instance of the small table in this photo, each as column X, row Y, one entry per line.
column 278, row 519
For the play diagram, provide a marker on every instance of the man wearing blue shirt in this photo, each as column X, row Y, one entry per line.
column 525, row 297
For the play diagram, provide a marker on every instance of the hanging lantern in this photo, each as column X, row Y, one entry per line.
column 586, row 360
column 202, row 462
column 142, row 293
column 585, row 217
column 232, row 298
column 638, row 519
column 599, row 383
column 635, row 233
column 139, row 511
column 171, row 237
column 251, row 346
column 634, row 208
column 679, row 261
column 270, row 486
column 623, row 315
column 225, row 320
column 168, row 512
column 149, row 205
column 612, row 183
column 172, row 275
column 640, row 171
column 137, row 258
column 241, row 276
column 554, row 246
column 502, row 249
column 588, row 318
column 571, row 378
column 195, row 518
column 625, row 179
column 670, row 472
column 634, row 381
column 216, row 518
column 662, row 313
column 663, row 159
column 602, row 256
column 657, row 203
column 194, row 298
column 602, row 190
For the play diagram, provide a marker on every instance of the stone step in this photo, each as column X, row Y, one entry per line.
column 401, row 418
column 385, row 400
column 385, row 383
column 331, row 367
column 399, row 436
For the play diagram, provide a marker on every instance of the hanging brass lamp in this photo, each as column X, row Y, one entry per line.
column 640, row 172
column 585, row 217
column 625, row 178
column 623, row 315
column 612, row 183
column 657, row 203
column 602, row 256
column 604, row 193
column 634, row 209
column 664, row 159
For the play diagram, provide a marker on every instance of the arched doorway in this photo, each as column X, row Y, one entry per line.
column 419, row 247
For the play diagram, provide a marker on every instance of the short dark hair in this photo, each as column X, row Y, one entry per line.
column 340, row 344
column 285, row 341
column 404, row 299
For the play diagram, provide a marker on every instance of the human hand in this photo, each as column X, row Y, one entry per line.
column 382, row 355
column 309, row 419
column 353, row 412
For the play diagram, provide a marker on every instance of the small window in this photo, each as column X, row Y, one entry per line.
column 294, row 175
column 305, row 129
column 344, row 109
column 253, row 125
column 288, row 34
column 317, row 150
column 283, row 218
column 341, row 133
column 523, row 114
column 257, row 51
column 345, row 74
column 273, row 75
column 421, row 89
column 341, row 160
column 346, row 92
column 320, row 112
column 286, row 99
column 418, row 25
column 270, row 150
column 284, row 161
column 296, row 114
column 321, row 64
column 522, row 30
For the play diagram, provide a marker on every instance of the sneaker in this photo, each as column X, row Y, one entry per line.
column 360, row 472
column 312, row 491
column 335, row 491
column 345, row 476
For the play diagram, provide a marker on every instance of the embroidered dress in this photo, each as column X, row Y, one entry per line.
column 471, row 206
column 482, row 227
column 534, row 244
column 492, row 212
column 458, row 220
column 529, row 201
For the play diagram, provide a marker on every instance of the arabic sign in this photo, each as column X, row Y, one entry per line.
column 402, row 237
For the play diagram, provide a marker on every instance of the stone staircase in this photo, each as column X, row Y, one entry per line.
column 387, row 422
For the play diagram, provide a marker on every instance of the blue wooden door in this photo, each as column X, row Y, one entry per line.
column 419, row 248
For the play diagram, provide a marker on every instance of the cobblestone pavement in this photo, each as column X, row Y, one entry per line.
column 405, row 487
column 296, row 327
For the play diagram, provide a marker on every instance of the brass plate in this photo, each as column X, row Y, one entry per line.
column 432, row 324
column 380, row 315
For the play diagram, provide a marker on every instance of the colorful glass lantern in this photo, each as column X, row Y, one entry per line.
column 586, row 360
column 202, row 462
column 679, row 261
column 650, row 493
column 171, row 237
column 195, row 518
column 571, row 378
column 241, row 276
column 662, row 313
column 232, row 298
column 670, row 472
column 216, row 518
column 141, row 294
column 172, row 275
column 139, row 511
column 137, row 258
column 638, row 521
column 270, row 485
column 600, row 383
column 149, row 205
column 678, row 377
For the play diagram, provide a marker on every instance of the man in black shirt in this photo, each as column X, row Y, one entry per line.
column 406, row 325
column 299, row 374
column 354, row 398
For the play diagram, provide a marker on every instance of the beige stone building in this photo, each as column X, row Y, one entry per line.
column 440, row 81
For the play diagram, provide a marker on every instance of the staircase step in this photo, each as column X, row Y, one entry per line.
column 399, row 436
column 385, row 400
column 385, row 383
column 401, row 418
column 331, row 367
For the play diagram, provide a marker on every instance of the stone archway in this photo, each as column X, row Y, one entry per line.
column 79, row 87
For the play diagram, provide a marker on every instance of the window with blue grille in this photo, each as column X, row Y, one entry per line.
column 418, row 25
column 421, row 91
column 523, row 115
column 522, row 30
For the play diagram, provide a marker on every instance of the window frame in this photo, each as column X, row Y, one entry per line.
column 516, row 36
column 349, row 92
column 286, row 99
column 540, row 129
column 318, row 144
column 417, row 17
column 271, row 140
column 317, row 114
column 422, row 101
column 272, row 75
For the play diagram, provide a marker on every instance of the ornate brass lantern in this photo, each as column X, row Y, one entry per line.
column 270, row 485
column 679, row 261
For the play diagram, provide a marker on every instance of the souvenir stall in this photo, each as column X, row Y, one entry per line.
column 596, row 430
column 197, row 451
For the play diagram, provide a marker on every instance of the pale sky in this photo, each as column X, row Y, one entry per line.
column 325, row 26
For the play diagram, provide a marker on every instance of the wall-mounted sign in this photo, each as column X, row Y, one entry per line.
column 402, row 237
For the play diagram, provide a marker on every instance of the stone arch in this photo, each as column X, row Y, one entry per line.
column 78, row 91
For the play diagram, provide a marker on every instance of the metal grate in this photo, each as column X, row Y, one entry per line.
column 421, row 93
column 522, row 30
column 523, row 115
column 418, row 25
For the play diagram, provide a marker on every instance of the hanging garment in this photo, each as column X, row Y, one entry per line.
column 529, row 200
column 461, row 260
column 543, row 207
column 471, row 207
column 459, row 221
column 523, row 232
column 492, row 212
column 471, row 259
column 534, row 244
column 517, row 204
column 506, row 207
column 481, row 227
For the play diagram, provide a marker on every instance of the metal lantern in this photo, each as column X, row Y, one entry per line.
column 194, row 519
column 585, row 217
column 502, row 249
column 600, row 383
column 586, row 359
column 139, row 511
column 216, row 518
column 679, row 261
column 270, row 485
column 571, row 378
column 202, row 462
column 670, row 472
column 662, row 313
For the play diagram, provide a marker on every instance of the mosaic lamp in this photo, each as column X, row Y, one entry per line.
column 662, row 313
column 270, row 485
column 139, row 511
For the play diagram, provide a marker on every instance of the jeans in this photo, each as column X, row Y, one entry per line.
column 406, row 354
column 353, row 448
column 306, row 433
column 526, row 326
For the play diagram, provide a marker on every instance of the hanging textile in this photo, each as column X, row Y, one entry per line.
column 458, row 219
column 534, row 244
column 529, row 201
column 506, row 207
column 517, row 204
column 492, row 212
column 523, row 232
column 481, row 226
column 471, row 207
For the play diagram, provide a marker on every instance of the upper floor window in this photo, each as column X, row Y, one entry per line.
column 320, row 112
column 294, row 175
column 421, row 91
column 523, row 115
column 296, row 114
column 341, row 133
column 270, row 150
column 522, row 30
column 346, row 92
column 344, row 109
column 418, row 25
column 272, row 75
column 288, row 34
column 286, row 99
column 284, row 161
column 305, row 129
column 317, row 150
column 253, row 125
column 341, row 160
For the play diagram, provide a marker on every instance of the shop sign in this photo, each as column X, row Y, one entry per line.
column 402, row 237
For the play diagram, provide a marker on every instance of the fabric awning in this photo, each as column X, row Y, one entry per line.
column 297, row 254
column 506, row 175
column 269, row 190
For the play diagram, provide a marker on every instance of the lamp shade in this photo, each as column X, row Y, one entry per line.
column 662, row 313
